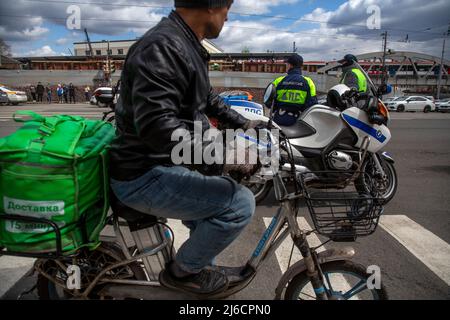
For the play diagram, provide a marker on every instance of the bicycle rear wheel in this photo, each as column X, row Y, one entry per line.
column 343, row 280
column 90, row 263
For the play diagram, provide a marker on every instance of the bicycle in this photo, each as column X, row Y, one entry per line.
column 128, row 267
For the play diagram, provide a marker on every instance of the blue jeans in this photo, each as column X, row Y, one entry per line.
column 215, row 209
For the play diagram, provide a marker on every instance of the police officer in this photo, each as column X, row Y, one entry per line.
column 352, row 76
column 294, row 93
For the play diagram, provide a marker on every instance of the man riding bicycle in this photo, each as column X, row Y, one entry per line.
column 165, row 87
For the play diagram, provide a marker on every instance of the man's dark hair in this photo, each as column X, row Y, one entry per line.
column 202, row 3
column 348, row 60
column 295, row 60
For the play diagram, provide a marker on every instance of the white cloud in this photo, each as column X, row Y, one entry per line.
column 399, row 17
column 28, row 34
column 339, row 31
column 44, row 51
column 258, row 6
column 111, row 18
column 62, row 41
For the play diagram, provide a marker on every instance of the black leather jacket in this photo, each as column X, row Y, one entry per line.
column 164, row 86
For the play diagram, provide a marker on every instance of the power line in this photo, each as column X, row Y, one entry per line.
column 333, row 23
column 235, row 13
column 360, row 37
column 86, row 19
column 101, row 4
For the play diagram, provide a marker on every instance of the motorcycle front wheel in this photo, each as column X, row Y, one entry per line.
column 343, row 280
column 384, row 188
column 259, row 190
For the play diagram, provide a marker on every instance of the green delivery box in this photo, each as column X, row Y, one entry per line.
column 54, row 168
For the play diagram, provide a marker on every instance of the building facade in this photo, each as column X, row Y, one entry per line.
column 120, row 48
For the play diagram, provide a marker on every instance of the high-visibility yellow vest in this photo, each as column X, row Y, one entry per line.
column 294, row 96
column 362, row 81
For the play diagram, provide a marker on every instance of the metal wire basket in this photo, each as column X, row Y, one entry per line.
column 342, row 207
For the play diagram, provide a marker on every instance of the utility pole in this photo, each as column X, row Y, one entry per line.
column 91, row 52
column 108, row 77
column 383, row 76
column 441, row 66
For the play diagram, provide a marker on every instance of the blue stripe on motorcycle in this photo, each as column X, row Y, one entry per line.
column 251, row 139
column 244, row 103
column 365, row 127
column 319, row 290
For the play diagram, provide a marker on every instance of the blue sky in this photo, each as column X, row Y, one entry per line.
column 322, row 30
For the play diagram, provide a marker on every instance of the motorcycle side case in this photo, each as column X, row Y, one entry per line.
column 358, row 120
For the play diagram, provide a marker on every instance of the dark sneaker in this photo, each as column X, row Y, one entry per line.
column 234, row 274
column 206, row 282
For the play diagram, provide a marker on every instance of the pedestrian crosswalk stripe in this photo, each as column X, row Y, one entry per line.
column 10, row 118
column 12, row 269
column 180, row 230
column 284, row 251
column 423, row 244
column 420, row 242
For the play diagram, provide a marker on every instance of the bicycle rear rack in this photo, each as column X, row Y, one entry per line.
column 43, row 255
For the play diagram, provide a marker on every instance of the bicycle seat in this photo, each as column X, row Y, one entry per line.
column 298, row 130
column 136, row 220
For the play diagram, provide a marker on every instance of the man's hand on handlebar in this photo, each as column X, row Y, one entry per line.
column 246, row 167
column 255, row 124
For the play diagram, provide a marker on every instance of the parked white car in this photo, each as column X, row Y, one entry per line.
column 14, row 97
column 93, row 100
column 413, row 103
column 441, row 102
column 3, row 98
column 387, row 100
column 444, row 107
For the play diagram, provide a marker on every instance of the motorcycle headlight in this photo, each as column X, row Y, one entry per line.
column 382, row 110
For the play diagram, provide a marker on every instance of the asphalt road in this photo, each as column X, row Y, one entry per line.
column 411, row 246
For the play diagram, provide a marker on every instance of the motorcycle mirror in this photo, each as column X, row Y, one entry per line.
column 269, row 95
column 384, row 89
column 389, row 89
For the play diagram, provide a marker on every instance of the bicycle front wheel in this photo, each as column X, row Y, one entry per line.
column 343, row 280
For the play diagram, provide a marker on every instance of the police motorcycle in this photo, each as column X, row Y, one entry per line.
column 345, row 136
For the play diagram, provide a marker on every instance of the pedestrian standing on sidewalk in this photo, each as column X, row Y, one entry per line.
column 87, row 93
column 65, row 93
column 71, row 93
column 33, row 92
column 48, row 90
column 40, row 92
column 60, row 92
